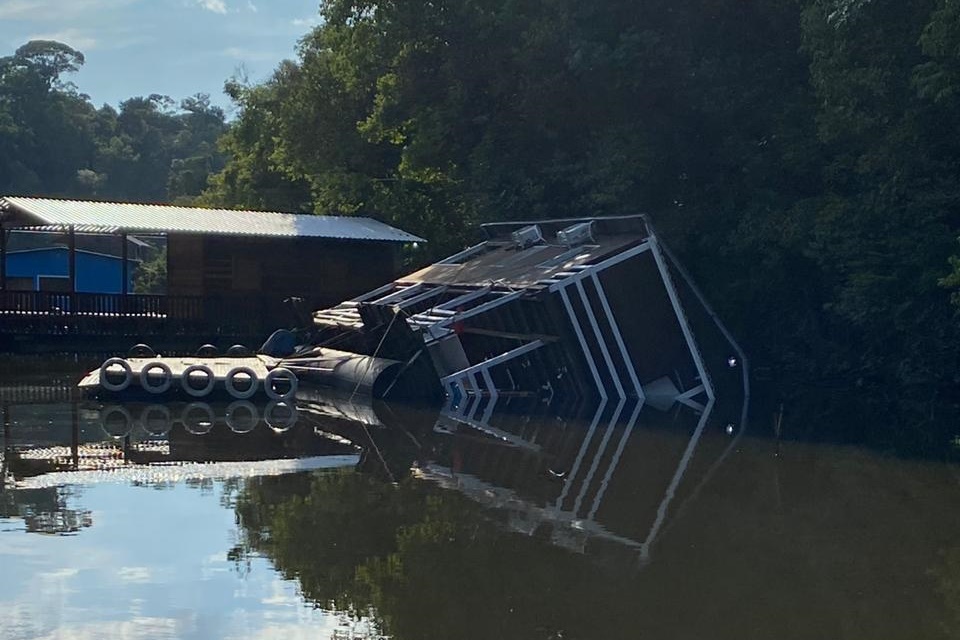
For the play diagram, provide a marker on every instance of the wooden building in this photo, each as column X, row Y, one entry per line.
column 223, row 268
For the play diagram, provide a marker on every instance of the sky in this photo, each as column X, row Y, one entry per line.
column 172, row 47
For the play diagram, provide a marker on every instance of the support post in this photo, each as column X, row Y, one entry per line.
column 72, row 243
column 7, row 447
column 124, row 286
column 75, row 435
column 3, row 258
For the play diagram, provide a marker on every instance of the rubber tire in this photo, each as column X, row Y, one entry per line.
column 207, row 351
column 109, row 386
column 141, row 351
column 162, row 387
column 236, row 393
column 276, row 373
column 239, row 351
column 191, row 391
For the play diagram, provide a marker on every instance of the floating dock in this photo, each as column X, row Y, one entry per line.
column 573, row 310
column 194, row 377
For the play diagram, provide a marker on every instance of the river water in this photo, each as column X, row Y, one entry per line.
column 338, row 519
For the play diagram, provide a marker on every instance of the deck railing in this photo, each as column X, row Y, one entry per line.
column 95, row 314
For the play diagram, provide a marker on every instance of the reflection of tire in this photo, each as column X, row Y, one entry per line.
column 164, row 385
column 155, row 420
column 252, row 418
column 112, row 429
column 279, row 375
column 105, row 378
column 197, row 424
column 276, row 420
column 188, row 386
column 242, row 394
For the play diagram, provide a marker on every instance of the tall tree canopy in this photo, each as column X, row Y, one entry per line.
column 53, row 141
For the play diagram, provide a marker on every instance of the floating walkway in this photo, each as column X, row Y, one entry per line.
column 240, row 378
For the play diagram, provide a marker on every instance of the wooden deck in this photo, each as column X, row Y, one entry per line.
column 90, row 322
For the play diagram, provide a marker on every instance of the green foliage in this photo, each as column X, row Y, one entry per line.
column 151, row 275
column 53, row 142
column 801, row 156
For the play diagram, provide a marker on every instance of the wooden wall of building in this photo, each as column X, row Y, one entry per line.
column 320, row 270
column 185, row 265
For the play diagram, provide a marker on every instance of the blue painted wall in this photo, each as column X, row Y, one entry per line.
column 96, row 273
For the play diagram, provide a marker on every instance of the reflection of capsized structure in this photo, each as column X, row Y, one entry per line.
column 612, row 476
column 93, row 442
column 587, row 308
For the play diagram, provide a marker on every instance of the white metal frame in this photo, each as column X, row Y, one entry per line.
column 466, row 253
column 621, row 345
column 681, row 318
column 486, row 365
column 583, row 344
column 600, row 340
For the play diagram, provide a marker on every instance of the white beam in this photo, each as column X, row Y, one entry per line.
column 463, row 255
column 583, row 344
column 603, row 344
column 605, row 303
column 681, row 318
column 591, row 269
column 492, row 362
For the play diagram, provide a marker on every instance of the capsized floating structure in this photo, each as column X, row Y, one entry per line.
column 585, row 308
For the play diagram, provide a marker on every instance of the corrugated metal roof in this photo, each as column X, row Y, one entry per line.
column 170, row 219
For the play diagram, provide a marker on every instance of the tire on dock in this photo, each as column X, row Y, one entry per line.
column 105, row 372
column 146, row 379
column 187, row 385
column 241, row 394
column 277, row 375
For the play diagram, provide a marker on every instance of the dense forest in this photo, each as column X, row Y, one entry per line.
column 802, row 156
column 54, row 142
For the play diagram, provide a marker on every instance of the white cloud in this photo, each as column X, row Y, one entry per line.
column 76, row 38
column 59, row 574
column 216, row 6
column 135, row 574
column 55, row 10
column 310, row 21
column 252, row 7
column 247, row 55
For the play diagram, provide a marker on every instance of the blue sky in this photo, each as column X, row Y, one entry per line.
column 172, row 47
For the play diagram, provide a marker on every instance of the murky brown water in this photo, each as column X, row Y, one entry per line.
column 353, row 521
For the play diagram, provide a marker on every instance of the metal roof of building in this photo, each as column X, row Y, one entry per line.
column 156, row 218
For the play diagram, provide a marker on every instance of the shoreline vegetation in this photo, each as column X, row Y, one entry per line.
column 801, row 157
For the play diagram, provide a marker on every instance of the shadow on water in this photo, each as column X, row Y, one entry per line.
column 517, row 520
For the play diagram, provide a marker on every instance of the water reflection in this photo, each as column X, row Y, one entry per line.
column 512, row 519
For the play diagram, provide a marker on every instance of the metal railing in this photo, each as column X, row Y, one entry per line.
column 95, row 314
